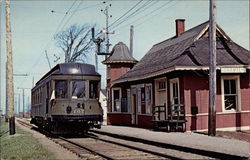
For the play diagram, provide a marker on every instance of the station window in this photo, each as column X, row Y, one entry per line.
column 61, row 89
column 78, row 89
column 162, row 85
column 116, row 100
column 230, row 85
column 174, row 91
column 93, row 89
column 148, row 90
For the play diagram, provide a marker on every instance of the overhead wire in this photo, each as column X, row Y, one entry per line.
column 147, row 16
column 125, row 13
column 66, row 13
column 159, row 12
column 133, row 13
column 39, row 57
column 87, row 7
column 73, row 13
column 76, row 10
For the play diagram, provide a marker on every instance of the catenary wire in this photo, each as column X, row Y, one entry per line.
column 147, row 16
column 40, row 56
column 125, row 13
column 133, row 13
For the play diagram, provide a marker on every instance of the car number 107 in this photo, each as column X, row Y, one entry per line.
column 78, row 111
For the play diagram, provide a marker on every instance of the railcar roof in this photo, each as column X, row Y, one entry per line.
column 82, row 69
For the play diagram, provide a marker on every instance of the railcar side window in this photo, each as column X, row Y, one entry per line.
column 61, row 89
column 78, row 89
column 93, row 89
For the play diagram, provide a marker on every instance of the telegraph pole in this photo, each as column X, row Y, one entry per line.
column 19, row 103
column 23, row 97
column 212, row 70
column 6, row 93
column 131, row 39
column 106, row 12
column 1, row 109
column 10, row 86
column 16, row 102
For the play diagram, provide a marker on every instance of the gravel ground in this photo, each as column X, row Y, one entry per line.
column 241, row 135
column 193, row 140
column 59, row 152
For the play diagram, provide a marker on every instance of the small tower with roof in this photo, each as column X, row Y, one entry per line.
column 119, row 62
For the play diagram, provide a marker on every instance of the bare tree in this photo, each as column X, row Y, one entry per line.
column 75, row 42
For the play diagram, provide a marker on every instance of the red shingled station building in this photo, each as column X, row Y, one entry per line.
column 169, row 86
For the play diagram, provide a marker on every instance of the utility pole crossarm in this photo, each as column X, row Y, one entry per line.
column 19, row 74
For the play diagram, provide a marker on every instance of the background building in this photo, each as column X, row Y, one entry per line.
column 175, row 71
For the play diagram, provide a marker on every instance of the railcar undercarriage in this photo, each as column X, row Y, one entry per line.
column 68, row 125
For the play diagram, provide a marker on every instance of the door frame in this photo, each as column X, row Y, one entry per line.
column 134, row 103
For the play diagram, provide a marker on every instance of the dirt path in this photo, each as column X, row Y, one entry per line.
column 58, row 151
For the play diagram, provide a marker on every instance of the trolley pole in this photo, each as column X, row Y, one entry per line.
column 10, row 85
column 212, row 70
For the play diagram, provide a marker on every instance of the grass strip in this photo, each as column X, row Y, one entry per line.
column 21, row 146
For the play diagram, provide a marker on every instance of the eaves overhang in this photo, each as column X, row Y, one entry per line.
column 175, row 68
column 112, row 62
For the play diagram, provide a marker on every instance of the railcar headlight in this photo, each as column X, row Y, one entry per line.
column 68, row 109
column 83, row 106
column 78, row 105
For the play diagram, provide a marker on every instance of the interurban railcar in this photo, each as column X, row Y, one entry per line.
column 66, row 99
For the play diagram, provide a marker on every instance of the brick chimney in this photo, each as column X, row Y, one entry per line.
column 180, row 26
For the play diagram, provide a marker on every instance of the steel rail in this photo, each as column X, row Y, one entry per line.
column 86, row 148
column 137, row 148
column 64, row 139
column 212, row 154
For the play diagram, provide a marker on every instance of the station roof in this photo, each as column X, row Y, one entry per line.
column 188, row 51
column 120, row 54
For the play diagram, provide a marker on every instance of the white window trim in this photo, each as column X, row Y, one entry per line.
column 238, row 103
column 162, row 79
column 167, row 97
column 171, row 89
column 120, row 95
column 129, row 103
column 138, row 100
column 156, row 90
column 151, row 100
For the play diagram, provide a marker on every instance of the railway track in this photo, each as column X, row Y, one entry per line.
column 91, row 147
column 100, row 146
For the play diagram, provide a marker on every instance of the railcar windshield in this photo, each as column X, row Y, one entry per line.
column 78, row 89
column 61, row 89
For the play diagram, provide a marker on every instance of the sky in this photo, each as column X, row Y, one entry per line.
column 33, row 26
